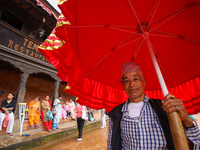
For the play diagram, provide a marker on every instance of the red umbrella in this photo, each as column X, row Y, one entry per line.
column 96, row 37
column 100, row 35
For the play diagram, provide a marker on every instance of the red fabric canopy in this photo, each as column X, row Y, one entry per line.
column 93, row 38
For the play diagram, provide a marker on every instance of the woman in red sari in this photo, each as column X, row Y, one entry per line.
column 46, row 105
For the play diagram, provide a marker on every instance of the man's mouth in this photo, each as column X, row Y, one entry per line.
column 133, row 90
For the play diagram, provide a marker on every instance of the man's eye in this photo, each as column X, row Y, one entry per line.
column 135, row 79
column 126, row 81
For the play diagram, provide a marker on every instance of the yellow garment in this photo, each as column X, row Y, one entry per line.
column 34, row 115
column 34, row 120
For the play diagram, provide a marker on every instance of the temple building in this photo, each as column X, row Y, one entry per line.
column 24, row 25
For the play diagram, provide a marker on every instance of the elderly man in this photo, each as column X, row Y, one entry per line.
column 141, row 122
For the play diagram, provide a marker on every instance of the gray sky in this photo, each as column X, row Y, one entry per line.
column 54, row 4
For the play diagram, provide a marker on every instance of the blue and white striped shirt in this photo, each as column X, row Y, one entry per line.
column 147, row 133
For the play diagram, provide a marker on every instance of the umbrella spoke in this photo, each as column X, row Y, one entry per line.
column 128, row 43
column 135, row 14
column 174, row 35
column 155, row 5
column 137, row 50
column 123, row 30
column 117, row 47
column 173, row 14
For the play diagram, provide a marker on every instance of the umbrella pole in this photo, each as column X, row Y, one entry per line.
column 178, row 134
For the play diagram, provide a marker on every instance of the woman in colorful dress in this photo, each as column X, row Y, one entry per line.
column 34, row 112
column 46, row 106
column 7, row 108
column 72, row 109
column 57, row 104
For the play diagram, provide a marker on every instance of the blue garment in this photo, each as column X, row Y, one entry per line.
column 147, row 133
column 55, row 125
column 57, row 116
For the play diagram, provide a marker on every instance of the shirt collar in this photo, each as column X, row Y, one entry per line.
column 125, row 106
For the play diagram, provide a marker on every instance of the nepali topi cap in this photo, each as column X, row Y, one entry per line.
column 130, row 66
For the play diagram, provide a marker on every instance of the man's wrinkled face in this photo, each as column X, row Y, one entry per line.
column 133, row 84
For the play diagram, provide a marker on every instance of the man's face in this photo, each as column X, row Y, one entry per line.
column 60, row 98
column 134, row 85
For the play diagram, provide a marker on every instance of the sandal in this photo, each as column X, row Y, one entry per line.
column 11, row 135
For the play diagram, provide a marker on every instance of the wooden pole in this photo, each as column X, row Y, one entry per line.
column 178, row 134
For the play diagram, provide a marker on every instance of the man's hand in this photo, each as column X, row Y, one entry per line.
column 171, row 104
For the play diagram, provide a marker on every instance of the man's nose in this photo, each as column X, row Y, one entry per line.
column 132, row 83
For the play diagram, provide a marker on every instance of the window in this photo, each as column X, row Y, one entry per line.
column 11, row 20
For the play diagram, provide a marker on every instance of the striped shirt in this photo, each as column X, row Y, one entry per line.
column 147, row 133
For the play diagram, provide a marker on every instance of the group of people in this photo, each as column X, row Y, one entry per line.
column 61, row 112
column 36, row 109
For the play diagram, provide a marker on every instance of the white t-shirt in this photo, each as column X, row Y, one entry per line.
column 134, row 110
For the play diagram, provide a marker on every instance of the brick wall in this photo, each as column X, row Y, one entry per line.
column 66, row 96
column 9, row 81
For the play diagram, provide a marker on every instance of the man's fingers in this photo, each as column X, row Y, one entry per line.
column 169, row 96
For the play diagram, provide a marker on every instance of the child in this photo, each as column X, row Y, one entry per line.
column 66, row 108
column 63, row 114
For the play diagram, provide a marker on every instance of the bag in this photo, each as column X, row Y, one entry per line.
column 84, row 115
column 49, row 115
column 5, row 122
column 53, row 110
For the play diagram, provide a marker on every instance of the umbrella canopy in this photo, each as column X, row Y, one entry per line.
column 93, row 38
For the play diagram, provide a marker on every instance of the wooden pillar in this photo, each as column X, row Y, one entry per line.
column 21, row 91
column 56, row 87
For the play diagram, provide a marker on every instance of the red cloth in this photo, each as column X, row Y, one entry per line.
column 5, row 122
column 48, row 124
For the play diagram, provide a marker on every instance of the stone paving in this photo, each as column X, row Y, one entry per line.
column 38, row 138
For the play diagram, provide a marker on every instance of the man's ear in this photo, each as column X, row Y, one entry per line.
column 144, row 81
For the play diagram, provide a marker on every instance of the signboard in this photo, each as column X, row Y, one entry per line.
column 20, row 43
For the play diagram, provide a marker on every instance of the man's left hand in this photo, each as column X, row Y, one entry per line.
column 171, row 104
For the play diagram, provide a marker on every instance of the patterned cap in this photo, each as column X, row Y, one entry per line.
column 131, row 66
